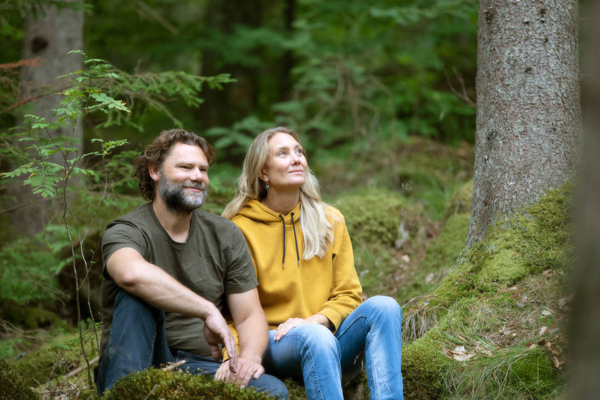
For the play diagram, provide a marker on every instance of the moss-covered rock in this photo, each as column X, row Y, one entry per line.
column 375, row 217
column 157, row 384
column 30, row 317
column 491, row 306
column 422, row 366
column 13, row 386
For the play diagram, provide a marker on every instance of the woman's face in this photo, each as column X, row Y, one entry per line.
column 286, row 165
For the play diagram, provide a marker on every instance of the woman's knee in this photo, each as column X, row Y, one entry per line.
column 318, row 338
column 384, row 307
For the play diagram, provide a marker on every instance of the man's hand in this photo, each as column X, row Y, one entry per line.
column 248, row 368
column 216, row 331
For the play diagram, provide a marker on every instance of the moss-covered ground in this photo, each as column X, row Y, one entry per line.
column 480, row 323
column 498, row 315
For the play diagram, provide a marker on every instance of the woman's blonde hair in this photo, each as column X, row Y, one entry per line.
column 316, row 217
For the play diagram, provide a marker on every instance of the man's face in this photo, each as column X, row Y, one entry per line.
column 183, row 178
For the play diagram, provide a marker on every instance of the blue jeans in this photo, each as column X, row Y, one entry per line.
column 370, row 334
column 138, row 341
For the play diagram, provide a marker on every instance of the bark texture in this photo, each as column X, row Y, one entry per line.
column 50, row 37
column 528, row 112
column 585, row 319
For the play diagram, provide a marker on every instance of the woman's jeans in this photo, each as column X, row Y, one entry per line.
column 138, row 341
column 370, row 334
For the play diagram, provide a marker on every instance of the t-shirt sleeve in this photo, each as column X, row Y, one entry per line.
column 120, row 236
column 240, row 276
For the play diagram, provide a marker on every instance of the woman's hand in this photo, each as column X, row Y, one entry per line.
column 223, row 374
column 247, row 369
column 284, row 328
column 294, row 322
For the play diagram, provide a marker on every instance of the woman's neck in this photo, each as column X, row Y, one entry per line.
column 281, row 202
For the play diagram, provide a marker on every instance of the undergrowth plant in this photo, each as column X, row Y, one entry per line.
column 52, row 179
column 55, row 164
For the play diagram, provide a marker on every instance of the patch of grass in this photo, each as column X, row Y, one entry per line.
column 512, row 374
column 13, row 386
column 441, row 255
column 57, row 356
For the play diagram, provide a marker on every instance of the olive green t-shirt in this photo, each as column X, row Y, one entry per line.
column 213, row 261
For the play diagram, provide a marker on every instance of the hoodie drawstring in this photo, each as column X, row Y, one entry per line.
column 283, row 260
column 295, row 241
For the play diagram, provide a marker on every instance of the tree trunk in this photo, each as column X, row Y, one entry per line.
column 50, row 37
column 528, row 112
column 236, row 100
column 287, row 63
column 585, row 318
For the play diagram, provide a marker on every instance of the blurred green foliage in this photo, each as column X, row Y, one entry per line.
column 343, row 74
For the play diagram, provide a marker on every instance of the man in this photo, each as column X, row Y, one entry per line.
column 168, row 268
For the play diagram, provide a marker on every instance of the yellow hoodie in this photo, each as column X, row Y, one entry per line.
column 289, row 286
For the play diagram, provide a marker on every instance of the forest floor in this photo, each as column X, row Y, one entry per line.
column 483, row 323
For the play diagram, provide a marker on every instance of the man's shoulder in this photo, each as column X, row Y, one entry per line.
column 212, row 220
column 140, row 217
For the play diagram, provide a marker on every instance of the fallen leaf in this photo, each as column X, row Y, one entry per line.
column 543, row 330
column 549, row 273
column 555, row 362
column 546, row 313
column 460, row 350
column 563, row 302
column 463, row 357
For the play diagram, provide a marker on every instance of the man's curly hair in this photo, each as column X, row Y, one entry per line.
column 158, row 150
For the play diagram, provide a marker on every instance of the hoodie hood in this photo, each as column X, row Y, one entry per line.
column 258, row 212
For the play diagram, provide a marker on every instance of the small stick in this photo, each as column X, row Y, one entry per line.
column 172, row 366
column 78, row 370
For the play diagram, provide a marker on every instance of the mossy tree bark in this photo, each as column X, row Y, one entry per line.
column 528, row 112
column 50, row 36
column 585, row 318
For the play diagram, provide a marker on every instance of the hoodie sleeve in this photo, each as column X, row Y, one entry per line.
column 345, row 287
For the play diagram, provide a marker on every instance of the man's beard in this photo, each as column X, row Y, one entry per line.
column 176, row 200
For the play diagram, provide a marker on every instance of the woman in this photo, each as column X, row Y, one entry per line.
column 308, row 287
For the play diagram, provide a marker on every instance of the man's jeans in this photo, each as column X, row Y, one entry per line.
column 324, row 361
column 138, row 341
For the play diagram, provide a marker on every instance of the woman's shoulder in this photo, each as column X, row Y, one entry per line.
column 333, row 214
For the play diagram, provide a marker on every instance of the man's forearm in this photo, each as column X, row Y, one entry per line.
column 253, row 334
column 156, row 287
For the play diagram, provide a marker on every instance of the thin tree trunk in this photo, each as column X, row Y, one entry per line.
column 50, row 37
column 236, row 100
column 528, row 112
column 585, row 319
column 287, row 63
